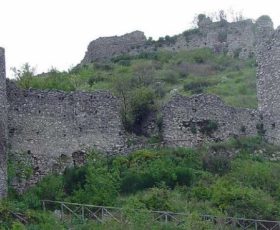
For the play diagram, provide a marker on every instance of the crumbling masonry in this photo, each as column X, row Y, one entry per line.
column 3, row 126
column 49, row 130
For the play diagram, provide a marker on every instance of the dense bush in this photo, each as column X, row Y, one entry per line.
column 50, row 188
column 101, row 188
column 181, row 180
column 243, row 201
column 154, row 171
column 219, row 164
column 74, row 179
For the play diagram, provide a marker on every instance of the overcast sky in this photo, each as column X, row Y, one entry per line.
column 55, row 33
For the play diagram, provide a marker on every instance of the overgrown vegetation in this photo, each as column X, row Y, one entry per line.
column 146, row 81
column 198, row 181
column 190, row 72
column 234, row 178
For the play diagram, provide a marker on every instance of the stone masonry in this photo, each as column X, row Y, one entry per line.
column 51, row 125
column 192, row 121
column 49, row 130
column 268, row 77
column 235, row 39
column 3, row 126
column 104, row 47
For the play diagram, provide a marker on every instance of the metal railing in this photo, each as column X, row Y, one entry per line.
column 84, row 212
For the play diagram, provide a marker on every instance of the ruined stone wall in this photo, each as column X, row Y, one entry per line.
column 3, row 126
column 192, row 121
column 49, row 130
column 49, row 126
column 235, row 39
column 108, row 47
column 268, row 77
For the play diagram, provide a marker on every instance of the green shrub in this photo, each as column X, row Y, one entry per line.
column 156, row 199
column 50, row 188
column 148, row 169
column 170, row 76
column 208, row 127
column 101, row 188
column 74, row 179
column 142, row 102
column 236, row 200
column 218, row 164
column 198, row 86
column 259, row 175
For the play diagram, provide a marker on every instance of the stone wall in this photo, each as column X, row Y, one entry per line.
column 108, row 47
column 49, row 126
column 268, row 77
column 192, row 121
column 49, row 130
column 235, row 39
column 3, row 126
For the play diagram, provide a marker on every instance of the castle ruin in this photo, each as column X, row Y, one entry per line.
column 235, row 39
column 53, row 129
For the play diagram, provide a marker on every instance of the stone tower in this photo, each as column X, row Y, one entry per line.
column 268, row 77
column 3, row 126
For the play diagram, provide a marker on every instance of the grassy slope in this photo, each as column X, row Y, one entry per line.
column 189, row 72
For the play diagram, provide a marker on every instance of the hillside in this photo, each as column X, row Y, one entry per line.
column 238, row 178
column 138, row 130
column 185, row 72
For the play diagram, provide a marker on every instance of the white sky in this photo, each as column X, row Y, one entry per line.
column 56, row 33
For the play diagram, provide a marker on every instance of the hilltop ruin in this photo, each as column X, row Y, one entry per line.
column 51, row 129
